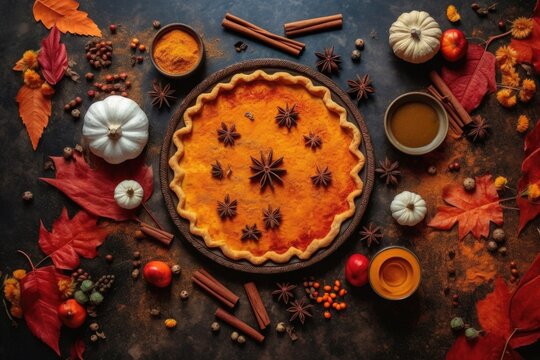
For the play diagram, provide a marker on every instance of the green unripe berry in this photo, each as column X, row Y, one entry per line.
column 86, row 285
column 457, row 323
column 96, row 298
column 80, row 297
column 471, row 334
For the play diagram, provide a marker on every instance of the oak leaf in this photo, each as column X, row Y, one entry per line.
column 472, row 210
column 528, row 49
column 71, row 238
column 492, row 311
column 53, row 57
column 66, row 17
column 470, row 80
column 34, row 109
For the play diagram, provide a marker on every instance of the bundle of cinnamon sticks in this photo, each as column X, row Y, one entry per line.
column 308, row 26
column 213, row 287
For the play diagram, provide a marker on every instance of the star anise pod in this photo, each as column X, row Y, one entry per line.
column 227, row 135
column 478, row 128
column 161, row 95
column 322, row 178
column 287, row 117
column 267, row 170
column 271, row 217
column 300, row 310
column 389, row 171
column 217, row 170
column 251, row 233
column 227, row 208
column 371, row 234
column 361, row 87
column 312, row 140
column 284, row 292
column 328, row 62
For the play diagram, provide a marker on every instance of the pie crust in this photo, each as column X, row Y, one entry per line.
column 311, row 215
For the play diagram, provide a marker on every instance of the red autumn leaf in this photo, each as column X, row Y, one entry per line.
column 53, row 57
column 93, row 189
column 473, row 210
column 77, row 350
column 64, row 15
column 486, row 347
column 40, row 299
column 469, row 81
column 525, row 307
column 530, row 174
column 528, row 49
column 492, row 311
column 34, row 109
column 70, row 239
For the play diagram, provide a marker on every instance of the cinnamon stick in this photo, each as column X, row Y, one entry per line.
column 307, row 26
column 214, row 288
column 257, row 305
column 453, row 120
column 212, row 292
column 446, row 92
column 336, row 24
column 230, row 295
column 160, row 235
column 239, row 325
column 296, row 25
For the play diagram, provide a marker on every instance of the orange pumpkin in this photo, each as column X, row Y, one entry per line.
column 71, row 313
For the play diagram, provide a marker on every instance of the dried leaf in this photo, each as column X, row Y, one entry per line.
column 66, row 17
column 70, row 239
column 93, row 189
column 473, row 210
column 469, row 81
column 34, row 109
column 528, row 49
column 492, row 311
column 77, row 350
column 486, row 347
column 40, row 299
column 72, row 74
column 52, row 57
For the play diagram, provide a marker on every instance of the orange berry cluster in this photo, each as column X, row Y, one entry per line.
column 12, row 292
column 332, row 298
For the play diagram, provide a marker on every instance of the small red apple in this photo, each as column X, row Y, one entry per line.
column 454, row 44
column 157, row 273
column 356, row 270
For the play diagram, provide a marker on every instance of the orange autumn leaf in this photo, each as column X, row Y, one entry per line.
column 34, row 109
column 66, row 17
column 493, row 310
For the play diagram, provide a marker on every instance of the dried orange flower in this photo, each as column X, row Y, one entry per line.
column 19, row 274
column 32, row 79
column 452, row 14
column 522, row 27
column 533, row 191
column 506, row 98
column 66, row 288
column 47, row 89
column 500, row 182
column 528, row 88
column 510, row 77
column 28, row 61
column 522, row 123
column 506, row 57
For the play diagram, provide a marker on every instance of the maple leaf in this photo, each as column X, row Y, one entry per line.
column 77, row 350
column 70, row 239
column 528, row 49
column 470, row 80
column 93, row 189
column 40, row 299
column 486, row 347
column 492, row 311
column 34, row 109
column 64, row 15
column 53, row 57
column 530, row 174
column 473, row 210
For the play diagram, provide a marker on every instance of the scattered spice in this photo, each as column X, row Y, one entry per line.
column 227, row 134
column 389, row 171
column 161, row 95
column 176, row 52
column 312, row 140
column 478, row 128
column 99, row 53
column 227, row 208
column 267, row 170
column 292, row 333
column 240, row 46
column 217, row 170
column 311, row 288
column 249, row 115
column 323, row 177
column 251, row 233
column 300, row 310
column 361, row 87
column 356, row 55
column 284, row 292
column 272, row 217
column 28, row 196
column 287, row 117
column 371, row 234
column 329, row 62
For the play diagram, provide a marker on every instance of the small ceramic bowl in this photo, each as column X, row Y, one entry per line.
column 417, row 97
column 178, row 26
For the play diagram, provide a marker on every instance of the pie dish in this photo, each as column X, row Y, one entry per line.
column 229, row 194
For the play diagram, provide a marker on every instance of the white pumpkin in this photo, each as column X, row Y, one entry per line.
column 116, row 129
column 415, row 37
column 128, row 194
column 408, row 208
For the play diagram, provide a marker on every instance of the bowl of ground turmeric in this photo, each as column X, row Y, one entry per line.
column 177, row 50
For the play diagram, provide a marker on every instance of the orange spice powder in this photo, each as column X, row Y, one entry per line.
column 176, row 52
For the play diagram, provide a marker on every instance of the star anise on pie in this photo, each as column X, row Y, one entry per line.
column 217, row 170
column 287, row 117
column 389, row 171
column 312, row 140
column 227, row 134
column 227, row 208
column 271, row 217
column 251, row 233
column 267, row 170
column 328, row 62
column 161, row 95
column 322, row 178
column 284, row 292
column 299, row 310
column 478, row 128
column 371, row 234
column 361, row 87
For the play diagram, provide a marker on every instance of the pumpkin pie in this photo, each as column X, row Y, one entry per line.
column 266, row 167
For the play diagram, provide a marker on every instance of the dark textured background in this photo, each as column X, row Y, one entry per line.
column 370, row 328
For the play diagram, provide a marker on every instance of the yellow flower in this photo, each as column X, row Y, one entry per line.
column 47, row 89
column 10, row 281
column 19, row 274
column 506, row 98
column 528, row 88
column 500, row 182
column 533, row 191
column 510, row 77
column 30, row 59
column 12, row 291
column 32, row 79
column 66, row 287
column 506, row 57
column 522, row 27
column 452, row 14
column 522, row 123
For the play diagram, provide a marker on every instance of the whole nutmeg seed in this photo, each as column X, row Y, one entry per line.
column 498, row 235
column 503, row 250
column 359, row 43
column 94, row 326
column 68, row 152
column 176, row 269
column 356, row 55
column 234, row 336
column 469, row 184
column 76, row 113
column 432, row 170
column 280, row 327
column 492, row 246
column 28, row 196
column 184, row 295
column 93, row 338
column 241, row 339
column 215, row 326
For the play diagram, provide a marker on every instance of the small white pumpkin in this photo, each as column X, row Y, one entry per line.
column 128, row 194
column 408, row 208
column 414, row 37
column 116, row 129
